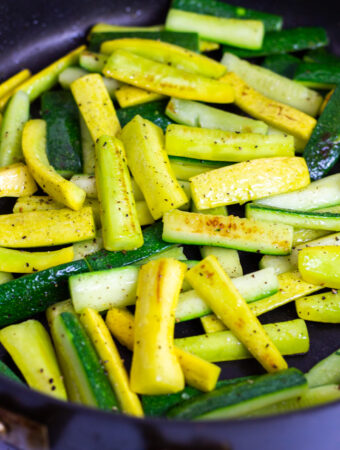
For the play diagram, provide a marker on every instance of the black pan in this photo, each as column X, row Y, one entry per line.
column 33, row 33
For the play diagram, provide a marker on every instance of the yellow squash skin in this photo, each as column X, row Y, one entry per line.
column 131, row 96
column 95, row 106
column 110, row 357
column 274, row 113
column 320, row 265
column 16, row 181
column 249, row 180
column 198, row 373
column 155, row 368
column 44, row 228
column 211, row 282
column 30, row 346
column 163, row 79
column 320, row 307
column 169, row 54
column 11, row 83
column 120, row 226
column 34, row 149
column 212, row 324
column 150, row 167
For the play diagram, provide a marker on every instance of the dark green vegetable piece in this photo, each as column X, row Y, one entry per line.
column 153, row 111
column 7, row 372
column 323, row 148
column 316, row 74
column 183, row 39
column 285, row 41
column 284, row 65
column 271, row 22
column 63, row 140
column 158, row 405
column 321, row 56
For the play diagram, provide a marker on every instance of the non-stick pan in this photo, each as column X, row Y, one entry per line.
column 33, row 33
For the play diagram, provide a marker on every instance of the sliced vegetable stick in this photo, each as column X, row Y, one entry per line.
column 320, row 265
column 320, row 307
column 11, row 83
column 131, row 96
column 16, row 181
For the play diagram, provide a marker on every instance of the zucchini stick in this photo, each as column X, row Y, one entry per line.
column 212, row 283
column 110, row 358
column 34, row 148
column 198, row 373
column 155, row 368
column 16, row 181
column 326, row 371
column 120, row 226
column 30, row 346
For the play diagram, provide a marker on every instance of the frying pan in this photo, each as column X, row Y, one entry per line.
column 33, row 33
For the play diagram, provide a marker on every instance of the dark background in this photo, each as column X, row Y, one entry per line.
column 34, row 33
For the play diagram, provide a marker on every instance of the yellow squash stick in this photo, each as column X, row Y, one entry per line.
column 279, row 115
column 150, row 167
column 95, row 106
column 320, row 265
column 131, row 96
column 34, row 149
column 110, row 357
column 216, row 288
column 163, row 79
column 198, row 373
column 16, row 181
column 11, row 83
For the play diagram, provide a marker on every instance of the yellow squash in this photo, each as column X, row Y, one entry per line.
column 131, row 96
column 216, row 288
column 34, row 149
column 320, row 265
column 16, row 181
column 11, row 83
column 320, row 307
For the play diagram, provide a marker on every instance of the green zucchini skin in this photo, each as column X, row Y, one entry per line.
column 323, row 148
column 183, row 39
column 63, row 131
column 227, row 397
column 271, row 22
column 285, row 41
column 321, row 56
column 159, row 405
column 284, row 65
column 7, row 372
column 324, row 74
column 153, row 111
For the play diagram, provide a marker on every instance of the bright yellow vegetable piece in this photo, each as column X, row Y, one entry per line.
column 11, row 83
column 198, row 373
column 212, row 283
column 325, row 101
column 169, row 54
column 212, row 324
column 150, row 167
column 34, row 149
column 166, row 80
column 320, row 307
column 207, row 46
column 44, row 228
column 30, row 346
column 249, row 180
column 155, row 368
column 110, row 357
column 16, row 181
column 320, row 265
column 95, row 106
column 28, row 262
column 279, row 115
column 131, row 96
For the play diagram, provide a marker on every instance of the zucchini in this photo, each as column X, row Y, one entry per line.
column 302, row 235
column 216, row 288
column 325, row 372
column 7, row 86
column 7, row 372
column 242, row 398
column 16, row 181
column 63, row 147
column 131, row 96
column 30, row 346
column 120, row 226
column 150, row 166
column 87, row 182
column 318, row 194
column 87, row 147
column 284, row 64
column 169, row 54
column 236, row 32
column 153, row 111
column 229, row 185
column 298, row 219
column 274, row 86
column 289, row 337
column 228, row 258
column 197, row 114
column 285, row 41
column 80, row 361
column 318, row 76
column 34, row 148
column 163, row 79
column 15, row 117
column 321, row 56
column 320, row 307
column 217, row 8
column 92, row 62
column 323, row 148
column 103, row 27
column 186, row 168
column 280, row 264
column 319, row 265
column 88, row 247
column 188, row 40
column 219, row 145
column 229, row 232
column 70, row 74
